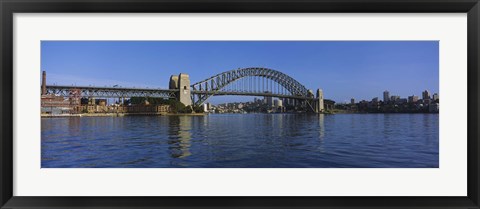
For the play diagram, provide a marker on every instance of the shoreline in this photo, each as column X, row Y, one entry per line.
column 196, row 114
column 363, row 113
column 119, row 114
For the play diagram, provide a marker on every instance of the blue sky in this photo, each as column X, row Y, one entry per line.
column 343, row 69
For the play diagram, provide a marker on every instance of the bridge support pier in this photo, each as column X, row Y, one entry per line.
column 182, row 82
column 319, row 106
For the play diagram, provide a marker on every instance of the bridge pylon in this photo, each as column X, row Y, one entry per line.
column 182, row 83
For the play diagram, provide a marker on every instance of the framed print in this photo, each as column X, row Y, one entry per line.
column 238, row 104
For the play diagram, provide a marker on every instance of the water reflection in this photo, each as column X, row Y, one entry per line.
column 74, row 126
column 279, row 120
column 243, row 141
column 321, row 126
column 180, row 136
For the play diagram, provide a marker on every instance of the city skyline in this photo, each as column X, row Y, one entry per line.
column 432, row 95
column 344, row 70
column 387, row 96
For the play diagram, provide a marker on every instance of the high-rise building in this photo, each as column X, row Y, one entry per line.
column 386, row 96
column 425, row 95
column 352, row 101
column 435, row 97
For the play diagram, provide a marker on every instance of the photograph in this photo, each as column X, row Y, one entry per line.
column 242, row 104
column 239, row 104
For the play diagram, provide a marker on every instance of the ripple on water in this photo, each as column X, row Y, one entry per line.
column 243, row 141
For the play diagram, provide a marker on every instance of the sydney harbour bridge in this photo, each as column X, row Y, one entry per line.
column 243, row 81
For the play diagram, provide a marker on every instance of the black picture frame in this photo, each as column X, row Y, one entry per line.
column 9, row 7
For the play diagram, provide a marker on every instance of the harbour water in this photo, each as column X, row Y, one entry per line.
column 242, row 141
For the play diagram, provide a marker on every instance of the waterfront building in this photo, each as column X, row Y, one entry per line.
column 91, row 101
column 289, row 101
column 375, row 100
column 412, row 99
column 279, row 105
column 269, row 101
column 402, row 101
column 362, row 104
column 141, row 108
column 284, row 101
column 386, row 96
column 51, row 104
column 205, row 107
column 394, row 98
column 101, row 102
column 433, row 107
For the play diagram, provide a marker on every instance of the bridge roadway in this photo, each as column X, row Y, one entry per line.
column 117, row 92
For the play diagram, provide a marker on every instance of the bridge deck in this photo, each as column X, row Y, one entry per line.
column 110, row 92
column 116, row 92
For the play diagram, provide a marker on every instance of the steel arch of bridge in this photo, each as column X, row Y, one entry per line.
column 214, row 85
